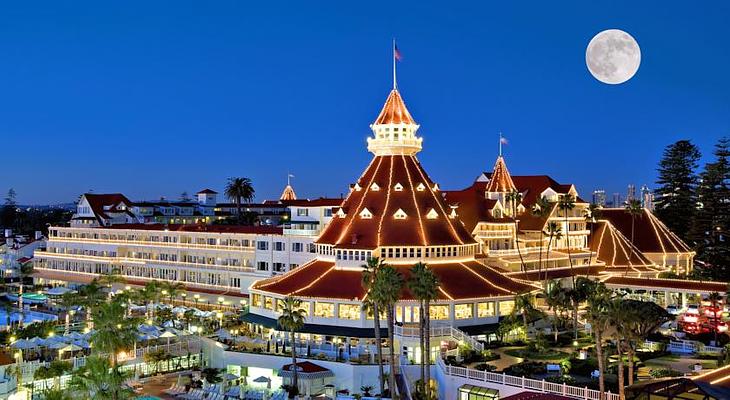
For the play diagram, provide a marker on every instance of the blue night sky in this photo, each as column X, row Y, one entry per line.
column 154, row 98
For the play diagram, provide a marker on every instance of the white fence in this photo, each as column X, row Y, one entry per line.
column 525, row 383
column 440, row 331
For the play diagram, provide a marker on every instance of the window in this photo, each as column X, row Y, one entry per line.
column 400, row 214
column 261, row 245
column 268, row 303
column 485, row 310
column 256, row 300
column 421, row 187
column 506, row 307
column 262, row 266
column 463, row 311
column 297, row 247
column 279, row 246
column 292, row 266
column 398, row 187
column 327, row 212
column 374, row 187
column 432, row 214
column 279, row 267
column 349, row 311
column 439, row 312
column 366, row 214
column 302, row 212
column 324, row 310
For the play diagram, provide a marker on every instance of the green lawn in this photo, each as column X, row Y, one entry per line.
column 549, row 355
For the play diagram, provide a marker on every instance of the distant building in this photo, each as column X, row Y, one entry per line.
column 631, row 193
column 616, row 202
column 599, row 197
column 647, row 198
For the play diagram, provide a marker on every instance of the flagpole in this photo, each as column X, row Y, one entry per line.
column 395, row 82
column 500, row 144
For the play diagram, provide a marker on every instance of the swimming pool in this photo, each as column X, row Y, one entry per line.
column 148, row 398
column 29, row 297
column 29, row 316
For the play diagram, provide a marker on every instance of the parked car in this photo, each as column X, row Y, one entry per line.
column 693, row 309
column 674, row 309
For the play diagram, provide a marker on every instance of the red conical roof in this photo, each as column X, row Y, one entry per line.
column 500, row 181
column 404, row 208
column 394, row 111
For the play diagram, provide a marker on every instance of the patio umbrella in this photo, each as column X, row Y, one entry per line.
column 167, row 335
column 23, row 344
column 38, row 341
column 70, row 347
column 179, row 310
column 75, row 335
column 263, row 379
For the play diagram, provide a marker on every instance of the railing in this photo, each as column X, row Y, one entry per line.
column 437, row 331
column 141, row 261
column 495, row 233
column 144, row 243
column 525, row 383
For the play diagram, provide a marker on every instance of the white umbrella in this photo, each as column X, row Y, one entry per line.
column 179, row 310
column 58, row 291
column 223, row 334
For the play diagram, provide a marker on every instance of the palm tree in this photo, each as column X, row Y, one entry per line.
column 555, row 298
column 633, row 208
column 591, row 214
column 173, row 289
column 567, row 204
column 149, row 295
column 514, row 198
column 113, row 331
column 369, row 275
column 67, row 302
column 55, row 394
column 238, row 190
column 541, row 210
column 388, row 286
column 715, row 298
column 554, row 233
column 91, row 296
column 645, row 317
column 415, row 286
column 524, row 305
column 425, row 289
column 25, row 270
column 108, row 280
column 98, row 380
column 292, row 319
column 619, row 320
column 598, row 301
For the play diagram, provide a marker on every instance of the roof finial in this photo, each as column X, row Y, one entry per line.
column 288, row 178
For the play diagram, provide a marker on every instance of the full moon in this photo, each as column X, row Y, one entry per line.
column 613, row 56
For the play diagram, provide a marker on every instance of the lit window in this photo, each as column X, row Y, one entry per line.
column 366, row 214
column 400, row 214
column 357, row 187
column 341, row 213
column 506, row 307
column 268, row 303
column 485, row 310
column 349, row 311
column 374, row 187
column 324, row 310
column 439, row 312
column 463, row 311
column 432, row 214
column 435, row 187
column 256, row 300
column 421, row 187
column 398, row 187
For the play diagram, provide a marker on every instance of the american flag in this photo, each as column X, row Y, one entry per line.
column 396, row 53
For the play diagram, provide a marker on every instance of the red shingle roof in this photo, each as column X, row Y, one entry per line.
column 321, row 279
column 500, row 180
column 394, row 111
column 378, row 194
column 650, row 234
column 615, row 249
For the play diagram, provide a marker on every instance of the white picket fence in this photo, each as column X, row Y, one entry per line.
column 478, row 376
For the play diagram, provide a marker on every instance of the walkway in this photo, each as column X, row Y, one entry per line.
column 505, row 360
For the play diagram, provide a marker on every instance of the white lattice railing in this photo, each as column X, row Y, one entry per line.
column 441, row 331
column 525, row 383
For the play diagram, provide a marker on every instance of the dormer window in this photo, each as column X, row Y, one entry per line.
column 435, row 187
column 453, row 213
column 400, row 214
column 432, row 214
column 421, row 187
column 357, row 187
column 341, row 213
column 398, row 187
column 374, row 187
column 366, row 214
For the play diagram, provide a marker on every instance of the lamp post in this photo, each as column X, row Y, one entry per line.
column 196, row 297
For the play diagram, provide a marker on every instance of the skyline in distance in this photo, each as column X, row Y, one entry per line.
column 158, row 99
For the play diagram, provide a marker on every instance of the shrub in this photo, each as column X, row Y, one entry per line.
column 485, row 367
column 664, row 373
column 566, row 379
column 526, row 368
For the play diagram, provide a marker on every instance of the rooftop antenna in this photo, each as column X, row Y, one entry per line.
column 500, row 144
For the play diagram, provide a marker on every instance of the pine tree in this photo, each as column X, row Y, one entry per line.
column 8, row 212
column 712, row 219
column 676, row 198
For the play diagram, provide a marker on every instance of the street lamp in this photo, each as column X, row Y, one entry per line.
column 196, row 297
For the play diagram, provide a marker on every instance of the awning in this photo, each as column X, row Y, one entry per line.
column 325, row 330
